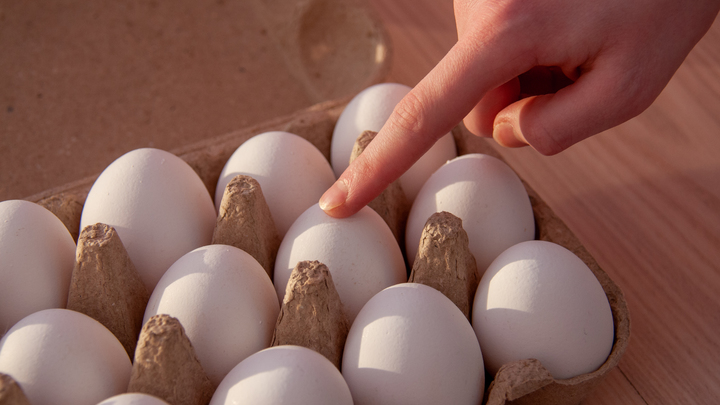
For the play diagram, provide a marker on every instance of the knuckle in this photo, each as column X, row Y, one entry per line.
column 472, row 125
column 547, row 142
column 635, row 93
column 638, row 102
column 408, row 116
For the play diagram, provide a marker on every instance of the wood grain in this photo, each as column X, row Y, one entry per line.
column 644, row 198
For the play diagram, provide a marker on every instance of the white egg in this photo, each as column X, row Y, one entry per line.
column 369, row 110
column 489, row 198
column 360, row 252
column 63, row 357
column 133, row 398
column 283, row 375
column 224, row 300
column 538, row 300
column 411, row 345
column 38, row 255
column 293, row 174
column 158, row 205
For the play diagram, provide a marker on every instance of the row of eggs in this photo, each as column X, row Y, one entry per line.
column 162, row 211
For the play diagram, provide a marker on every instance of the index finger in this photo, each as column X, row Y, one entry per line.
column 429, row 111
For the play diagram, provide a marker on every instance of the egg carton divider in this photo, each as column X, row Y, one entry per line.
column 519, row 382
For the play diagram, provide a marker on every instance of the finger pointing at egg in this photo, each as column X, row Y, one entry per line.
column 384, row 108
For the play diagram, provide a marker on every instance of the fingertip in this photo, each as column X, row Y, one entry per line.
column 474, row 127
column 336, row 201
column 505, row 134
column 527, row 123
column 480, row 121
column 334, row 197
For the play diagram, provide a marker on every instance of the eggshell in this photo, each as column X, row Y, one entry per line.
column 538, row 300
column 283, row 375
column 38, row 255
column 133, row 398
column 225, row 301
column 293, row 174
column 369, row 110
column 63, row 357
column 411, row 345
column 158, row 205
column 360, row 251
column 489, row 198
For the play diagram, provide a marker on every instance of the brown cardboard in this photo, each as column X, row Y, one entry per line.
column 392, row 204
column 208, row 156
column 312, row 314
column 10, row 392
column 67, row 207
column 106, row 286
column 516, row 382
column 166, row 365
column 444, row 261
column 314, row 125
column 83, row 82
column 244, row 221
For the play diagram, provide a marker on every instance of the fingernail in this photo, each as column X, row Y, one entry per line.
column 504, row 134
column 335, row 196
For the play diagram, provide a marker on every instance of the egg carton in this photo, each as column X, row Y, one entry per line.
column 149, row 80
column 520, row 382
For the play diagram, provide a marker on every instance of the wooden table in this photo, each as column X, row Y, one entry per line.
column 644, row 198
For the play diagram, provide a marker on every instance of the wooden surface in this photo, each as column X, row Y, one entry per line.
column 644, row 198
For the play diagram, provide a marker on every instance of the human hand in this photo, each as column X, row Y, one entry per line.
column 544, row 73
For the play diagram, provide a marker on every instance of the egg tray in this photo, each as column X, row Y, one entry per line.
column 519, row 382
column 139, row 72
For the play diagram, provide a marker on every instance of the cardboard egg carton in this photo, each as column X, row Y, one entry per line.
column 520, row 382
column 137, row 73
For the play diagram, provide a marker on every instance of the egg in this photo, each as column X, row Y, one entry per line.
column 369, row 110
column 411, row 345
column 539, row 300
column 38, row 255
column 224, row 300
column 489, row 198
column 360, row 252
column 293, row 174
column 133, row 398
column 63, row 357
column 283, row 375
column 158, row 205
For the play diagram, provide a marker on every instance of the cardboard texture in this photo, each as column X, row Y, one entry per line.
column 245, row 221
column 106, row 286
column 67, row 207
column 83, row 82
column 520, row 382
column 312, row 314
column 166, row 366
column 444, row 261
column 10, row 392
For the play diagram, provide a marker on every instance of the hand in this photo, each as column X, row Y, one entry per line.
column 544, row 73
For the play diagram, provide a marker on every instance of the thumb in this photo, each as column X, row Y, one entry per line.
column 600, row 99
